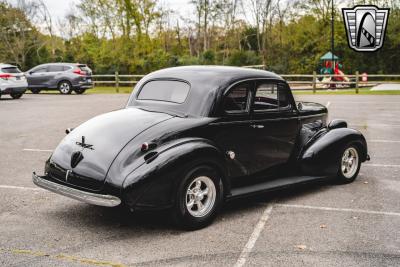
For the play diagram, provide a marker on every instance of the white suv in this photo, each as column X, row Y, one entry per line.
column 12, row 81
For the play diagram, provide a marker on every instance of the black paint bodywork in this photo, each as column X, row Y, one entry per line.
column 290, row 146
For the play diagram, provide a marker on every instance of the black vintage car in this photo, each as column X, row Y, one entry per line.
column 192, row 137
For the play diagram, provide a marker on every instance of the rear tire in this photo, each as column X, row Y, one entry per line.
column 65, row 87
column 80, row 91
column 349, row 163
column 16, row 95
column 35, row 91
column 199, row 198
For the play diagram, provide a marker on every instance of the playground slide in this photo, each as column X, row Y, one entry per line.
column 342, row 76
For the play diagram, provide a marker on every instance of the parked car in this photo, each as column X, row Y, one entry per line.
column 66, row 77
column 192, row 137
column 12, row 81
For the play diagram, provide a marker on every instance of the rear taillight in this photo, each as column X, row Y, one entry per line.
column 5, row 76
column 80, row 72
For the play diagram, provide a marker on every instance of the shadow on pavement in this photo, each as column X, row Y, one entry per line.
column 121, row 218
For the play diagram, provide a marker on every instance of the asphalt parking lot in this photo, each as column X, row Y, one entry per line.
column 315, row 225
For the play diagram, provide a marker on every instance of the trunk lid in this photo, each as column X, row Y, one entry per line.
column 98, row 141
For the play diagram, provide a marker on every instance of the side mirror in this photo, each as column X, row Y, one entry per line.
column 335, row 124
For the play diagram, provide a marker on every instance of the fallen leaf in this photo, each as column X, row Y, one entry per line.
column 365, row 182
column 322, row 226
column 301, row 247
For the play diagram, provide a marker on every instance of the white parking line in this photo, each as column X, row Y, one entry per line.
column 383, row 141
column 366, row 102
column 20, row 188
column 340, row 209
column 37, row 150
column 382, row 165
column 368, row 125
column 253, row 238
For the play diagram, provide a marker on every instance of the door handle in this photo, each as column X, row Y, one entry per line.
column 257, row 126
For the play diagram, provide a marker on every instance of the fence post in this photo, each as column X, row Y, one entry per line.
column 314, row 82
column 117, row 82
column 357, row 80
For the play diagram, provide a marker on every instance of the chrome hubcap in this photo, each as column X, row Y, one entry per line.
column 349, row 162
column 200, row 196
column 64, row 87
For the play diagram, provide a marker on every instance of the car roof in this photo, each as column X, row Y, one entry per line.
column 207, row 85
column 215, row 76
column 60, row 63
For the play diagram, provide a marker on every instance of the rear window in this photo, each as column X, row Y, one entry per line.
column 10, row 70
column 167, row 91
column 84, row 68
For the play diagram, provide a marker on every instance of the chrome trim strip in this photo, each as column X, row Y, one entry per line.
column 91, row 198
column 269, row 120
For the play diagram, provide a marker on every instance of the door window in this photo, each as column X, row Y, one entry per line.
column 237, row 100
column 270, row 97
column 56, row 68
column 41, row 70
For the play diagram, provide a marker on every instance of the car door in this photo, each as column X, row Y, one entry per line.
column 54, row 75
column 232, row 131
column 275, row 124
column 37, row 77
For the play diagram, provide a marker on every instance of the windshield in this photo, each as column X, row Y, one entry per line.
column 10, row 70
column 167, row 91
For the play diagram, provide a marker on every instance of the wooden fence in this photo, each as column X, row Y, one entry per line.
column 297, row 81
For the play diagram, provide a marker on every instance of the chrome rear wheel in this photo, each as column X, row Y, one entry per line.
column 200, row 196
column 65, row 87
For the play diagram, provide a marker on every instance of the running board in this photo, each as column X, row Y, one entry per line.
column 273, row 184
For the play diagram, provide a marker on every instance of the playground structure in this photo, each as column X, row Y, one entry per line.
column 331, row 66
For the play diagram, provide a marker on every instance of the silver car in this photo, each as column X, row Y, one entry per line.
column 12, row 81
column 65, row 77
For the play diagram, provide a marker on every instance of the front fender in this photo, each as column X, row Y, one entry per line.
column 153, row 184
column 322, row 157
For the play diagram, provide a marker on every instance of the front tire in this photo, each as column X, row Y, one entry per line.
column 199, row 198
column 16, row 95
column 350, row 164
column 65, row 87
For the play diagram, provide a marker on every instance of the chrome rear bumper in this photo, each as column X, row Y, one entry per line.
column 91, row 198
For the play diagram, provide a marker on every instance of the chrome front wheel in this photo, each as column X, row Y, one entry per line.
column 350, row 161
column 350, row 164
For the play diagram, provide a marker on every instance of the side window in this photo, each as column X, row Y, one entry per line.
column 269, row 97
column 266, row 97
column 237, row 99
column 40, row 70
column 56, row 68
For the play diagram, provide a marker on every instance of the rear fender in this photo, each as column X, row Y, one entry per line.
column 153, row 184
column 322, row 157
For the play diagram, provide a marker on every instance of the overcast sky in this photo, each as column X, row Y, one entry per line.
column 59, row 8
